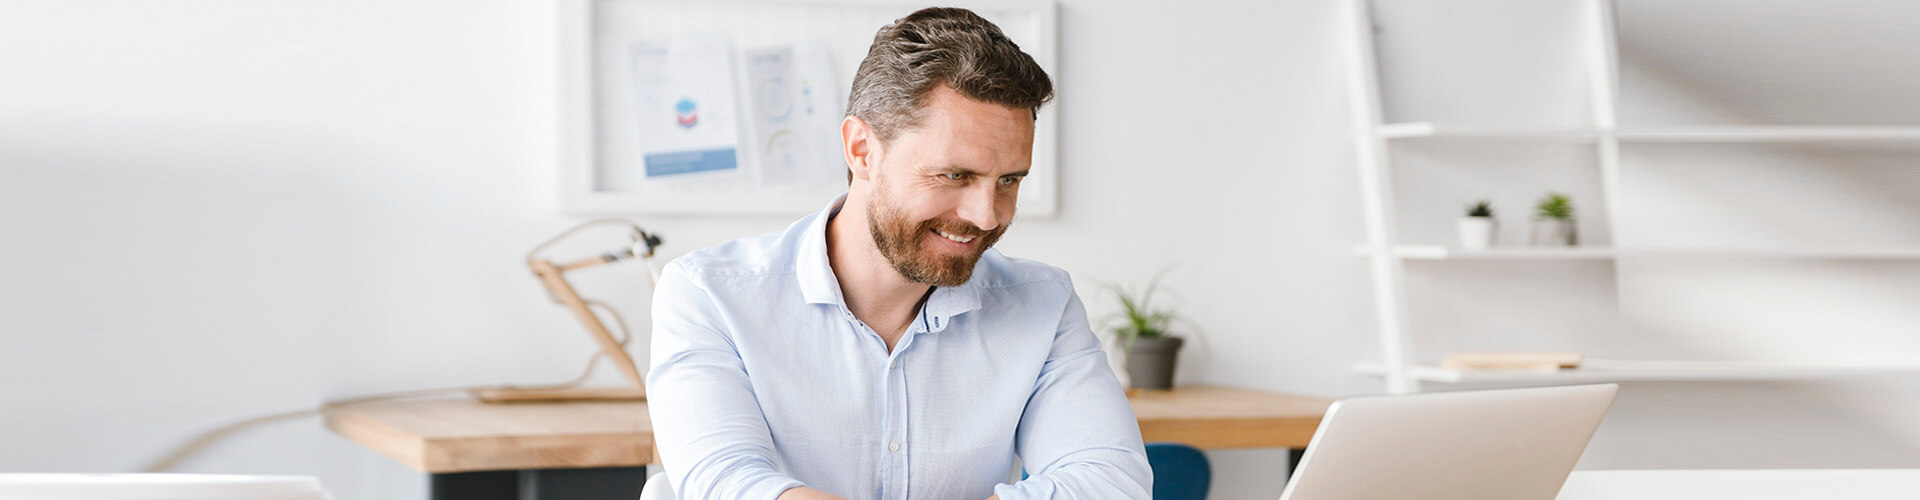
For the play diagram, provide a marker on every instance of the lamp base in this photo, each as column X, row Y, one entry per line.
column 500, row 395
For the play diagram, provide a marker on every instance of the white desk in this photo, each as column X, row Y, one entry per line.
column 1808, row 484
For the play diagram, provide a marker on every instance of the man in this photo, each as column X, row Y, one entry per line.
column 878, row 349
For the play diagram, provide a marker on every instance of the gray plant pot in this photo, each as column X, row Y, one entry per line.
column 1150, row 362
column 1554, row 232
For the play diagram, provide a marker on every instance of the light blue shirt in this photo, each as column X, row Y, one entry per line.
column 763, row 380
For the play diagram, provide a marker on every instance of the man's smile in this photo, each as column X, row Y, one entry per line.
column 953, row 237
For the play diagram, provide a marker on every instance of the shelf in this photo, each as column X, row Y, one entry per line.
column 1510, row 129
column 1686, row 134
column 1418, row 130
column 1440, row 252
column 1770, row 134
column 1655, row 371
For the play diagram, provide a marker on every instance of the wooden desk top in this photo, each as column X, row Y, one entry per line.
column 461, row 435
column 1211, row 417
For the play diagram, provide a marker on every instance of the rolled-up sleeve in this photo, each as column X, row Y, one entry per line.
column 1078, row 436
column 713, row 439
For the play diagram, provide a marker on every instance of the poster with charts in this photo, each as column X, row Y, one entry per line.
column 794, row 124
column 601, row 162
column 689, row 124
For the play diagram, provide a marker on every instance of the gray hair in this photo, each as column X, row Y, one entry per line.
column 941, row 46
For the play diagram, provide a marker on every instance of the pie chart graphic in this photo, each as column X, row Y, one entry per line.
column 687, row 114
column 775, row 100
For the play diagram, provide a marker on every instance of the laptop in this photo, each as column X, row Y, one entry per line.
column 1508, row 444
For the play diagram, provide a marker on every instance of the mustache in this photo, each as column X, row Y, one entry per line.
column 957, row 228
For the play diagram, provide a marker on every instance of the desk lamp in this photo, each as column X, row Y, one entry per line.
column 553, row 276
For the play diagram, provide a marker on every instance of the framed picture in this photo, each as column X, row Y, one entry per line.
column 733, row 107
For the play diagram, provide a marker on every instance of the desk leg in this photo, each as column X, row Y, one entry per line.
column 1294, row 455
column 603, row 483
column 483, row 485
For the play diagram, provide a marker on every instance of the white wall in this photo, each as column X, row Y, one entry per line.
column 213, row 210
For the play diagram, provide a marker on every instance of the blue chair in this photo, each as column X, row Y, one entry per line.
column 1180, row 472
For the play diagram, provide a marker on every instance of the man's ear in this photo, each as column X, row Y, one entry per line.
column 859, row 145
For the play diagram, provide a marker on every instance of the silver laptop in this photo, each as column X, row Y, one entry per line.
column 1509, row 444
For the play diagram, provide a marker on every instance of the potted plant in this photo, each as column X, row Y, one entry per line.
column 1477, row 228
column 1151, row 349
column 1553, row 222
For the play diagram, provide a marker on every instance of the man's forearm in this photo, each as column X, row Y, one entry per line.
column 805, row 493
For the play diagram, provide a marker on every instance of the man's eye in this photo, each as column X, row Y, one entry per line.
column 1009, row 181
column 954, row 176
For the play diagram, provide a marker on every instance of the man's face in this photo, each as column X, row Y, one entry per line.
column 944, row 192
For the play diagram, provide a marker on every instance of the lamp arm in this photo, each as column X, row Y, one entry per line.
column 562, row 292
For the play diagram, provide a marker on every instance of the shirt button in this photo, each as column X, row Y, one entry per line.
column 889, row 363
column 894, row 446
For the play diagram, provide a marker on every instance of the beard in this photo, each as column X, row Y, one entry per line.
column 900, row 241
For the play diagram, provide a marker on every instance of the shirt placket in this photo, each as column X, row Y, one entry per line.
column 893, row 475
column 899, row 433
column 891, row 446
column 896, row 429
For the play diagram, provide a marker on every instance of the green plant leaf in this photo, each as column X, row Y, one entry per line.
column 1481, row 208
column 1554, row 206
column 1137, row 318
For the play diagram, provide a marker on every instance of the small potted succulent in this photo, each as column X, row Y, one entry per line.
column 1478, row 227
column 1553, row 221
column 1144, row 335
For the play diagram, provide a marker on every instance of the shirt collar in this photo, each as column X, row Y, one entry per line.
column 950, row 301
column 817, row 282
column 820, row 286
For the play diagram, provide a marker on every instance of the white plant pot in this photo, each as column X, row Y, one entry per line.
column 1476, row 233
column 1554, row 233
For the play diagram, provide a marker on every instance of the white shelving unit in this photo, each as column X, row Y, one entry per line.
column 1422, row 130
column 1600, row 132
column 1771, row 134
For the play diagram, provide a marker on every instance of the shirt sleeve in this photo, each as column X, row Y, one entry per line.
column 714, row 442
column 1078, row 437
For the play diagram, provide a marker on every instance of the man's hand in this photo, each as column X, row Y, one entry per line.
column 805, row 493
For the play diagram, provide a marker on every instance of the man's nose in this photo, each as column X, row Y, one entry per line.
column 977, row 208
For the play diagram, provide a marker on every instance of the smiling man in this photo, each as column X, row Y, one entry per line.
column 879, row 349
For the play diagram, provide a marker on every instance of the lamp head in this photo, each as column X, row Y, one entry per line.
column 644, row 242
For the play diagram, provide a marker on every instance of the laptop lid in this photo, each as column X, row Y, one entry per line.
column 1507, row 444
